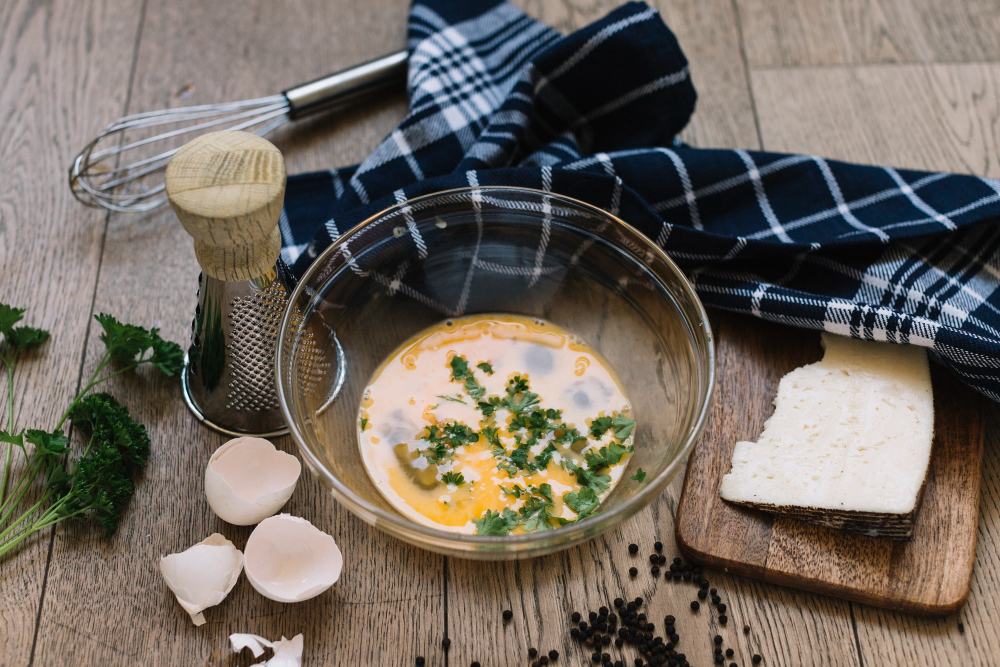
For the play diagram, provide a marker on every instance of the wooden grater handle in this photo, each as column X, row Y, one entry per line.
column 227, row 190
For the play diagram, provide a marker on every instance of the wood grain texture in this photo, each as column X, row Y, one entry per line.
column 929, row 574
column 934, row 117
column 105, row 602
column 65, row 66
column 840, row 32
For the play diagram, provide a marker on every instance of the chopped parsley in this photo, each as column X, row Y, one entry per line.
column 457, row 398
column 519, row 398
column 495, row 523
column 364, row 423
column 583, row 502
column 605, row 457
column 485, row 367
column 461, row 372
column 452, row 479
column 517, row 491
column 445, row 439
column 639, row 475
column 621, row 424
column 596, row 483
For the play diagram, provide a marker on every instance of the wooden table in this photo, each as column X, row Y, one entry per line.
column 914, row 84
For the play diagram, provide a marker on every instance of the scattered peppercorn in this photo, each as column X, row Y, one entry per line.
column 655, row 570
column 445, row 643
column 702, row 595
column 713, row 591
column 596, row 657
column 733, row 664
column 717, row 639
column 658, row 546
column 694, row 605
column 619, row 603
column 553, row 654
column 638, row 662
column 723, row 619
column 606, row 657
column 532, row 652
column 543, row 660
column 729, row 652
column 575, row 617
column 746, row 629
column 722, row 608
column 420, row 661
column 756, row 658
column 633, row 571
column 475, row 663
column 633, row 548
column 638, row 602
column 535, row 663
column 508, row 614
column 619, row 642
column 574, row 633
column 719, row 660
column 669, row 620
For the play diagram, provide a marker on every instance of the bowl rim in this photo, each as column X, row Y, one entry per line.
column 406, row 528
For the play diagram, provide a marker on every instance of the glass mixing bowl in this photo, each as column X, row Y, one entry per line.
column 505, row 250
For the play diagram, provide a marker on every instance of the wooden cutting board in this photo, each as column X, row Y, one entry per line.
column 930, row 575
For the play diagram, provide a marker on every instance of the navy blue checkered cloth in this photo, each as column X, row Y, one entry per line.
column 497, row 98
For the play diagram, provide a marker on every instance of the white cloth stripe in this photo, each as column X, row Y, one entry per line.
column 404, row 149
column 543, row 242
column 762, row 201
column 633, row 95
column 842, row 207
column 596, row 40
column 689, row 195
column 400, row 196
column 905, row 188
column 477, row 206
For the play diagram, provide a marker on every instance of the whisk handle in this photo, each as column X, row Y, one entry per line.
column 342, row 87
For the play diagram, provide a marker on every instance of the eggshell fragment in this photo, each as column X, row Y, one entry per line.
column 287, row 652
column 290, row 560
column 203, row 575
column 248, row 480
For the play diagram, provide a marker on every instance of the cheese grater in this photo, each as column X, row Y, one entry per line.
column 227, row 190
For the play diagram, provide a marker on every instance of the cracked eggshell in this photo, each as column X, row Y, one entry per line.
column 248, row 480
column 289, row 560
column 203, row 575
column 287, row 652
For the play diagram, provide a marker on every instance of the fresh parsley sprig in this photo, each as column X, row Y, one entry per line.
column 99, row 482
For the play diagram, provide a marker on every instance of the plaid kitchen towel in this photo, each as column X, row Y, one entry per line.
column 497, row 98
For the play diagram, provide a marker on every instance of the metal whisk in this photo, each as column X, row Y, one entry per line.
column 97, row 178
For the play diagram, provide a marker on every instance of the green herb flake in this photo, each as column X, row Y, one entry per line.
column 496, row 523
column 639, row 475
column 485, row 367
column 364, row 423
column 583, row 502
column 451, row 479
column 454, row 399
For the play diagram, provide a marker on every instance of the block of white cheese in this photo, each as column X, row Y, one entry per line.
column 849, row 443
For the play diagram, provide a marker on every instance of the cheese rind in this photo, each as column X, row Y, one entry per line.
column 849, row 442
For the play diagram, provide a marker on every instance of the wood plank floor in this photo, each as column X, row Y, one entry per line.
column 913, row 84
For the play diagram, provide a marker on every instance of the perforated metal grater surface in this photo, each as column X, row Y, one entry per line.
column 229, row 376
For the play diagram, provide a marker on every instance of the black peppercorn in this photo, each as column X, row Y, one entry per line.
column 653, row 558
column 695, row 605
column 575, row 617
column 658, row 546
column 574, row 633
column 702, row 595
column 535, row 663
column 638, row 662
column 633, row 571
column 606, row 640
column 619, row 663
column 733, row 664
column 723, row 619
column 445, row 643
column 719, row 660
column 583, row 626
column 717, row 639
column 633, row 548
column 675, row 639
column 420, row 661
column 722, row 608
column 619, row 603
column 544, row 660
column 508, row 614
column 756, row 658
column 596, row 657
column 729, row 652
column 638, row 602
column 746, row 629
column 663, row 560
column 619, row 642
column 713, row 591
column 592, row 616
column 655, row 570
column 606, row 657
column 475, row 663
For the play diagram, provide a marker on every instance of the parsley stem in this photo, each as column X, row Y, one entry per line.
column 10, row 430
column 27, row 515
column 18, row 492
column 94, row 382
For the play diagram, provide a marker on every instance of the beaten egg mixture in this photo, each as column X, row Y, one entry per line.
column 495, row 424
